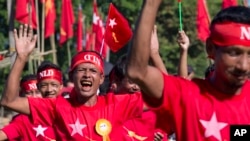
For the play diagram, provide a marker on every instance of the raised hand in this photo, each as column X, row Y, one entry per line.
column 25, row 41
column 183, row 40
column 154, row 41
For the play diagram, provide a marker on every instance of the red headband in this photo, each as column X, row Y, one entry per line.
column 28, row 85
column 49, row 74
column 87, row 57
column 229, row 33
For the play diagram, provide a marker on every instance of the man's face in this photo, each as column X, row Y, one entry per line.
column 49, row 88
column 232, row 65
column 87, row 78
column 126, row 86
column 33, row 93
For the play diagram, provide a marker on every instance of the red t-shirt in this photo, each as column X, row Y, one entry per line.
column 202, row 113
column 140, row 128
column 21, row 128
column 73, row 121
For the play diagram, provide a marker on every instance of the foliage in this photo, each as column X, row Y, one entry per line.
column 167, row 22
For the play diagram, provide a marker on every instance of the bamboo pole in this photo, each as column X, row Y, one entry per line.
column 42, row 30
column 53, row 46
column 38, row 32
column 11, row 15
column 69, row 53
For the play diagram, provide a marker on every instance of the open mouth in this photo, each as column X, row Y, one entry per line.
column 86, row 84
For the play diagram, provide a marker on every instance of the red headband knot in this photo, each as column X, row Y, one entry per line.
column 87, row 57
column 229, row 34
column 50, row 74
column 28, row 85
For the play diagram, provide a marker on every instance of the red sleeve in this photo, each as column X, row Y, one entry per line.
column 12, row 130
column 176, row 93
column 42, row 110
column 131, row 105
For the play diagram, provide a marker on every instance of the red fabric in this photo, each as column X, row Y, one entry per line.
column 239, row 34
column 29, row 85
column 21, row 129
column 22, row 14
column 50, row 17
column 98, row 30
column 89, row 57
column 65, row 113
column 50, row 74
column 118, row 31
column 67, row 20
column 79, row 32
column 200, row 112
column 203, row 20
column 228, row 3
column 139, row 128
column 89, row 41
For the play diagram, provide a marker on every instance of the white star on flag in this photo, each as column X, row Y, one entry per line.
column 112, row 23
column 96, row 18
column 213, row 127
column 39, row 130
column 77, row 127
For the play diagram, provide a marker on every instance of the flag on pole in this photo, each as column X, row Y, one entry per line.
column 26, row 12
column 98, row 30
column 79, row 32
column 67, row 20
column 50, row 17
column 118, row 31
column 202, row 20
column 228, row 3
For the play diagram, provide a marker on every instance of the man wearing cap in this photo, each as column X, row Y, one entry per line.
column 84, row 115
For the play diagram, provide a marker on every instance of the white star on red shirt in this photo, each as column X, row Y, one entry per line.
column 77, row 127
column 39, row 130
column 112, row 23
column 213, row 127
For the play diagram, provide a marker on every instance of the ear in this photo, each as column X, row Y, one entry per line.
column 210, row 48
column 102, row 77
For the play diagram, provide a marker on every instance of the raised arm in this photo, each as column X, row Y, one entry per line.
column 25, row 42
column 154, row 53
column 3, row 136
column 183, row 42
column 148, row 78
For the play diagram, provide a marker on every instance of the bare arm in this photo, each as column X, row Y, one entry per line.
column 3, row 136
column 154, row 53
column 148, row 78
column 183, row 42
column 25, row 43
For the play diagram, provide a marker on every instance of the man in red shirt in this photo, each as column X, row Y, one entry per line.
column 201, row 109
column 82, row 116
column 21, row 126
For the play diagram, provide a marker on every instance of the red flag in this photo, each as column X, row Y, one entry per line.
column 203, row 20
column 98, row 30
column 23, row 7
column 67, row 20
column 228, row 3
column 79, row 29
column 50, row 17
column 118, row 31
column 89, row 41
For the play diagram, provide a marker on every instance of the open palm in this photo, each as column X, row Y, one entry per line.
column 25, row 41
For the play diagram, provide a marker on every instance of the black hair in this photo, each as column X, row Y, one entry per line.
column 119, row 69
column 28, row 77
column 47, row 65
column 238, row 14
column 209, row 70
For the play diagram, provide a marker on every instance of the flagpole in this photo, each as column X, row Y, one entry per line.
column 102, row 46
column 38, row 30
column 180, row 14
column 42, row 28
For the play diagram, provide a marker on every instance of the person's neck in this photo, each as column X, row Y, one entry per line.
column 224, row 87
column 87, row 101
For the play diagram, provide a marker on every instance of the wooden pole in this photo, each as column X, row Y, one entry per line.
column 53, row 46
column 11, row 15
column 38, row 33
column 69, row 53
column 42, row 30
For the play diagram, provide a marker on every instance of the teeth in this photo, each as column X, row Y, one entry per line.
column 86, row 83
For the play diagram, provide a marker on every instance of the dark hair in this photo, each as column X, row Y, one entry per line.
column 28, row 77
column 47, row 65
column 119, row 69
column 238, row 14
column 209, row 70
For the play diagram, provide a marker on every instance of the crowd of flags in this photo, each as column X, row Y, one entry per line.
column 116, row 33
